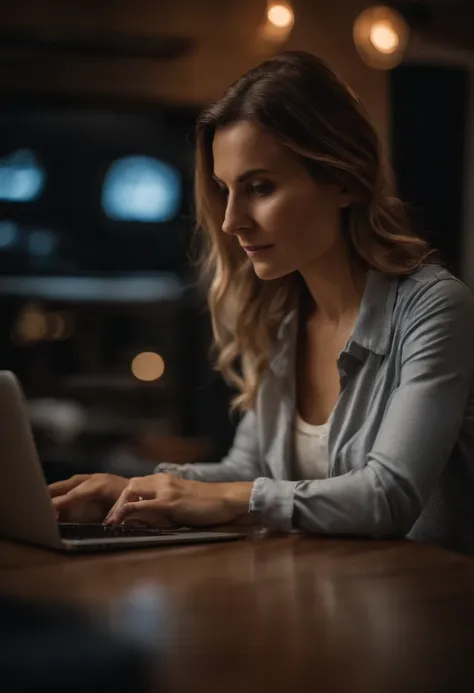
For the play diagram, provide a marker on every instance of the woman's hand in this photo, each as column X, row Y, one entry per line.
column 168, row 499
column 86, row 497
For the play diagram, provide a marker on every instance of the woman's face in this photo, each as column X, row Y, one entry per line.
column 281, row 217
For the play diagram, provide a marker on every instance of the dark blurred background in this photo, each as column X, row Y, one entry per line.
column 101, row 318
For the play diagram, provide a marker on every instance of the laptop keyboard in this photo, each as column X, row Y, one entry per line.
column 73, row 530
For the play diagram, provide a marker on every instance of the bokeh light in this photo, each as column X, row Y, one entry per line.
column 141, row 189
column 381, row 36
column 384, row 38
column 9, row 234
column 41, row 243
column 148, row 366
column 22, row 178
column 280, row 15
column 31, row 324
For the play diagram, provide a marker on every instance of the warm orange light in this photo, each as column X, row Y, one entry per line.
column 381, row 36
column 31, row 324
column 148, row 366
column 60, row 326
column 384, row 38
column 280, row 15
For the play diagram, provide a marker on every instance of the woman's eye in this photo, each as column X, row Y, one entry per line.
column 261, row 189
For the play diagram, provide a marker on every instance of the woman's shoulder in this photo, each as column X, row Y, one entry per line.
column 432, row 290
column 431, row 282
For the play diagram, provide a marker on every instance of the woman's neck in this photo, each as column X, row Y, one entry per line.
column 333, row 289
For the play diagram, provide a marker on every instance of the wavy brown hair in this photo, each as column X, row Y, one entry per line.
column 298, row 99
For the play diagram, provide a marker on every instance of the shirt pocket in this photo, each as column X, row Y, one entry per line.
column 363, row 416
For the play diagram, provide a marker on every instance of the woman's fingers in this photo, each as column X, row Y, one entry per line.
column 137, row 489
column 128, row 495
column 80, row 504
column 60, row 488
column 150, row 496
column 85, row 490
column 147, row 510
column 66, row 500
column 118, row 503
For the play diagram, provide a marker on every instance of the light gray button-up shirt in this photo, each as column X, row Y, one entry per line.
column 401, row 441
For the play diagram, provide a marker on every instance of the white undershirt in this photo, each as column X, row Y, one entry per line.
column 310, row 449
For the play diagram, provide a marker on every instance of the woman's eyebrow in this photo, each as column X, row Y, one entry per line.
column 244, row 176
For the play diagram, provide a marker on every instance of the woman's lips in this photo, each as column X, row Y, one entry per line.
column 253, row 250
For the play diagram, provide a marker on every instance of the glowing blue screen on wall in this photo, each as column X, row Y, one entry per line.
column 141, row 188
column 22, row 178
column 41, row 243
column 9, row 234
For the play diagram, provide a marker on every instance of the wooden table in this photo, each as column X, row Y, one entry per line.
column 283, row 613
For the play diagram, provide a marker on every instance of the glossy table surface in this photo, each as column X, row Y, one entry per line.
column 281, row 612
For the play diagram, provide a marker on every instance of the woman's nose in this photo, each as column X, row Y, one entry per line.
column 235, row 218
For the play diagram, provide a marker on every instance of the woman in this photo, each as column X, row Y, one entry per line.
column 355, row 347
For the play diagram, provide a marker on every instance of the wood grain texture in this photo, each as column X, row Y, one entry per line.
column 282, row 613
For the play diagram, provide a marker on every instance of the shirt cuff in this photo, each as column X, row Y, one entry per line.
column 273, row 501
column 170, row 468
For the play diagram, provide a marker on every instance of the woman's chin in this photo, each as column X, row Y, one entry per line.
column 268, row 272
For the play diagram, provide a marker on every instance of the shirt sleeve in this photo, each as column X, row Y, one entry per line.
column 420, row 427
column 242, row 463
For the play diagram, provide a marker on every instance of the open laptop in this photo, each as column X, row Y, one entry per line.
column 26, row 510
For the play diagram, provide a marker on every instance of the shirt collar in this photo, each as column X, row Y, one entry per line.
column 373, row 327
column 372, row 330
